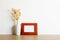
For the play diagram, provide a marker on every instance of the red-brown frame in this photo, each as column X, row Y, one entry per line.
column 29, row 33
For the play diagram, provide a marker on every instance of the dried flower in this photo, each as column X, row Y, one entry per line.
column 16, row 13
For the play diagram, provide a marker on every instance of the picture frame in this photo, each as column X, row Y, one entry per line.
column 29, row 33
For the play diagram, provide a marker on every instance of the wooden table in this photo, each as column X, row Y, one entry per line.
column 31, row 37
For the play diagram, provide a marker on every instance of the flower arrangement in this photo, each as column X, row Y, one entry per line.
column 16, row 14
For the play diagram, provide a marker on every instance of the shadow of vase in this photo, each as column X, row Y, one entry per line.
column 14, row 30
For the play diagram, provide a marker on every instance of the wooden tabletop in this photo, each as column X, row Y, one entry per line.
column 30, row 37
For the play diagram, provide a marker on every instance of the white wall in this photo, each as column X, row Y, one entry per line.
column 45, row 12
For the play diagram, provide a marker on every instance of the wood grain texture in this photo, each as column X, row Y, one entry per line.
column 30, row 37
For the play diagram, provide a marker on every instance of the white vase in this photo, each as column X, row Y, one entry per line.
column 18, row 29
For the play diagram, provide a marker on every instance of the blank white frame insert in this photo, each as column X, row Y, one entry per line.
column 28, row 28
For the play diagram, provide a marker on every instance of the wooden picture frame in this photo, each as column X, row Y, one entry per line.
column 29, row 33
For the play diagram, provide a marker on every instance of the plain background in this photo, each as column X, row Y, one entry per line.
column 44, row 12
